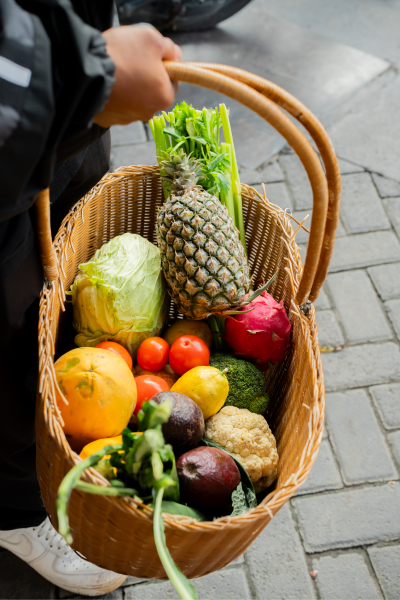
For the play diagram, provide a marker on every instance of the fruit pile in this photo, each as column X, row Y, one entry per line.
column 172, row 413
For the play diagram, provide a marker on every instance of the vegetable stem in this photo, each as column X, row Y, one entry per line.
column 236, row 191
column 182, row 585
column 217, row 340
column 70, row 481
column 226, row 197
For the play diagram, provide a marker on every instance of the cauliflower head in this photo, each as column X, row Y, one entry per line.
column 248, row 437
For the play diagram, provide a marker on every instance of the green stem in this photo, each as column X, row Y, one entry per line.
column 182, row 585
column 68, row 484
column 236, row 191
column 213, row 325
column 91, row 488
column 227, row 197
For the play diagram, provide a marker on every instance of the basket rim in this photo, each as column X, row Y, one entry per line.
column 275, row 499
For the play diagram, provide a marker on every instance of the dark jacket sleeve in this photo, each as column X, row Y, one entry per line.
column 55, row 76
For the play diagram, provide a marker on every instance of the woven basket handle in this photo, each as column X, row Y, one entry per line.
column 262, row 96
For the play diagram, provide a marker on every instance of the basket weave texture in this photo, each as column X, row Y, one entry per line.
column 115, row 533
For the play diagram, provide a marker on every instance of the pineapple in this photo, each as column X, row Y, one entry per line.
column 203, row 260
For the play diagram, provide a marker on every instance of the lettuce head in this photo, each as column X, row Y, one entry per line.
column 120, row 295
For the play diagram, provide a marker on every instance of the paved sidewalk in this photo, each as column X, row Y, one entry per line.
column 339, row 538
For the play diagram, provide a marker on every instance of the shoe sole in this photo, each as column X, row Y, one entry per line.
column 97, row 591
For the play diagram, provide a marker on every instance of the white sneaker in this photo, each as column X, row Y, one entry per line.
column 46, row 551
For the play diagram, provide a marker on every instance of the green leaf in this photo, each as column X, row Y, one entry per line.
column 182, row 585
column 174, row 508
column 239, row 501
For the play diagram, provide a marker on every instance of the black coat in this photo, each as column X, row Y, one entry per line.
column 55, row 76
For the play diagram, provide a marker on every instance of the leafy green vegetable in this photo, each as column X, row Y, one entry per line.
column 197, row 133
column 147, row 463
column 239, row 501
column 120, row 294
column 247, row 484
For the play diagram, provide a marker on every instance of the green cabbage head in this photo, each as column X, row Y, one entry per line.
column 120, row 295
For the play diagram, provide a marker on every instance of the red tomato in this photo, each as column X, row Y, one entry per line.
column 187, row 352
column 117, row 349
column 153, row 354
column 147, row 387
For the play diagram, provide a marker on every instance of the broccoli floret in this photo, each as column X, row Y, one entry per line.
column 247, row 385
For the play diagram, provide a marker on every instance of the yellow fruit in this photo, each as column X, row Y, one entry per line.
column 101, row 394
column 206, row 386
column 91, row 448
column 188, row 327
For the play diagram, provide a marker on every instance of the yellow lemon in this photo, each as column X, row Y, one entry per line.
column 93, row 447
column 207, row 386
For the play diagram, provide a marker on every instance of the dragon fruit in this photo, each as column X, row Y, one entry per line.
column 263, row 334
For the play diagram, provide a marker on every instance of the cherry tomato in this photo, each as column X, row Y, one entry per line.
column 147, row 387
column 153, row 354
column 187, row 352
column 117, row 349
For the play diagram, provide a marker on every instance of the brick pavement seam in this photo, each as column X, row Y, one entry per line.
column 248, row 577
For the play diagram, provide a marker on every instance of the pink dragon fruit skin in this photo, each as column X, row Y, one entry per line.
column 263, row 334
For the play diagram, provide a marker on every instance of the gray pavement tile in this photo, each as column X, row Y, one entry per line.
column 19, row 580
column 298, row 181
column 393, row 308
column 386, row 187
column 386, row 563
column 115, row 595
column 345, row 577
column 315, row 69
column 350, row 517
column 357, row 439
column 393, row 208
column 361, row 366
column 136, row 154
column 394, row 440
column 133, row 580
column 386, row 398
column 123, row 135
column 368, row 134
column 364, row 250
column 360, row 311
column 229, row 583
column 347, row 167
column 277, row 563
column 272, row 173
column 386, row 279
column 361, row 208
column 277, row 193
column 322, row 302
column 329, row 332
column 324, row 475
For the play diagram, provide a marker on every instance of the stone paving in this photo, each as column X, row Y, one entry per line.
column 339, row 537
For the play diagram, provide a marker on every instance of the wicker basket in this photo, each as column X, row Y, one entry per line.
column 113, row 532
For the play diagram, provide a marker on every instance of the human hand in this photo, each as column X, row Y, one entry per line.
column 142, row 86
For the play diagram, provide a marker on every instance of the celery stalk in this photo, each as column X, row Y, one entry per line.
column 236, row 191
column 227, row 197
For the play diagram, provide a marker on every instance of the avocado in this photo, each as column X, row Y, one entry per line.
column 185, row 426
